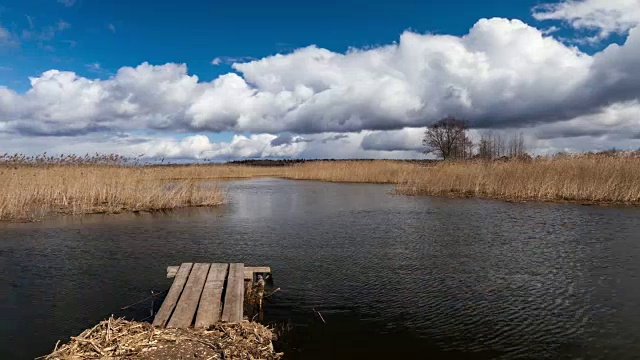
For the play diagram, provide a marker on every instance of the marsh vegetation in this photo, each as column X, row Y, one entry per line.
column 36, row 187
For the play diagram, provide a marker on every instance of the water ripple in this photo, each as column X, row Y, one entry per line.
column 394, row 277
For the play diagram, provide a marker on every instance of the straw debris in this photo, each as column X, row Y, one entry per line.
column 122, row 339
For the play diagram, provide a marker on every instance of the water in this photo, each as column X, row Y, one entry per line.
column 393, row 276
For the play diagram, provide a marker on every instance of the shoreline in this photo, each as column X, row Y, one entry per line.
column 34, row 192
column 396, row 191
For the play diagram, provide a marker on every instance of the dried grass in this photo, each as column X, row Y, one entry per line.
column 32, row 192
column 586, row 179
column 122, row 339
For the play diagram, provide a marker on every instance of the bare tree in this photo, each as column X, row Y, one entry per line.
column 463, row 149
column 517, row 147
column 448, row 139
column 485, row 147
column 499, row 146
column 492, row 146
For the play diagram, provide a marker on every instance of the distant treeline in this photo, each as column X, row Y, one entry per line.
column 292, row 162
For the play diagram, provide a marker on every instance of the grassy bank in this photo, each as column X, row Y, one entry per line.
column 589, row 179
column 579, row 178
column 31, row 191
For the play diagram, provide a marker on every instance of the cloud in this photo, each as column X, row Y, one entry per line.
column 287, row 139
column 605, row 16
column 7, row 39
column 348, row 146
column 67, row 3
column 335, row 138
column 62, row 25
column 72, row 43
column 5, row 35
column 95, row 68
column 612, row 122
column 30, row 21
column 409, row 139
column 111, row 28
column 229, row 60
column 44, row 36
column 502, row 74
column 200, row 147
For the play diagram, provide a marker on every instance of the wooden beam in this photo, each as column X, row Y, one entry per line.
column 186, row 309
column 248, row 271
column 171, row 271
column 211, row 299
column 170, row 301
column 234, row 296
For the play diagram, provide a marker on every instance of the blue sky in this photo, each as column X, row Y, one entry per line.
column 118, row 76
column 126, row 33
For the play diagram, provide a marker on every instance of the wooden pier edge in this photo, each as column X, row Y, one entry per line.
column 196, row 295
column 249, row 271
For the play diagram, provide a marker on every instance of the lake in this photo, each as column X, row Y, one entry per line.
column 393, row 276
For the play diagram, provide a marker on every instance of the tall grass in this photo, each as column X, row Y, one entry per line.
column 580, row 179
column 31, row 190
column 378, row 171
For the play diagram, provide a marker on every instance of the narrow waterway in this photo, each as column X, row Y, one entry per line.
column 391, row 275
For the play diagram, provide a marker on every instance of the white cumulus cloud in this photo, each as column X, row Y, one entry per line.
column 364, row 102
column 502, row 71
column 605, row 16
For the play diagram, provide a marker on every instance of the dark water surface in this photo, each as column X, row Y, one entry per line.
column 393, row 276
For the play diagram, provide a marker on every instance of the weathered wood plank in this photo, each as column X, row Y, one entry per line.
column 234, row 296
column 250, row 270
column 211, row 299
column 172, row 271
column 186, row 309
column 170, row 301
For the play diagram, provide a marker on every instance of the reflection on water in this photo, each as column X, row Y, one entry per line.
column 391, row 275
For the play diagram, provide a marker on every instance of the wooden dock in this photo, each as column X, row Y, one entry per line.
column 203, row 294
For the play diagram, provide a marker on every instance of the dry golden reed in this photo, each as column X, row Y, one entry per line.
column 31, row 191
column 579, row 178
column 589, row 179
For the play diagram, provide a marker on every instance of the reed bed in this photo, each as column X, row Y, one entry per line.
column 31, row 190
column 586, row 179
column 359, row 171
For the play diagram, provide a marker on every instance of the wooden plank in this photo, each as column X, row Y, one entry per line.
column 234, row 297
column 170, row 301
column 185, row 310
column 250, row 270
column 172, row 271
column 211, row 299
